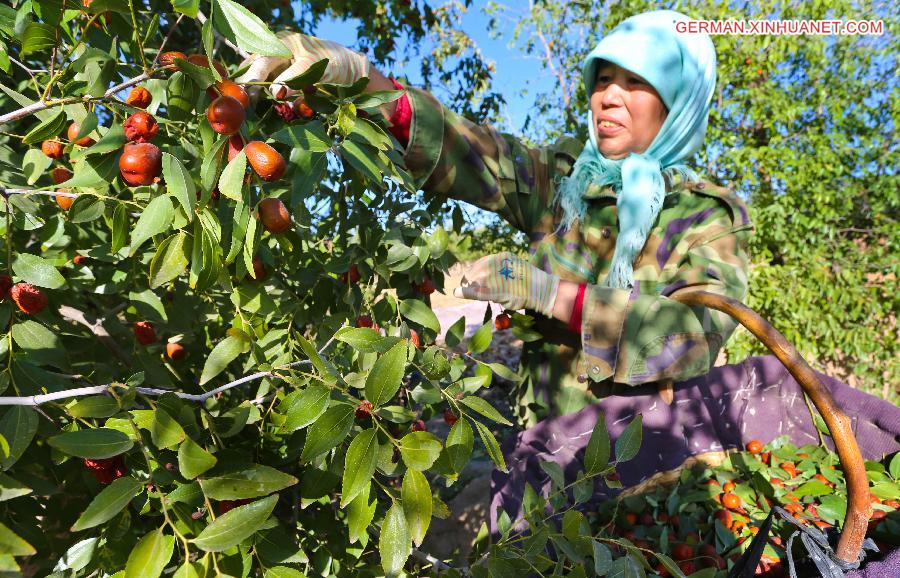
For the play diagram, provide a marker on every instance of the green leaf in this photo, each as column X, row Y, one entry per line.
column 438, row 241
column 86, row 208
column 87, row 126
column 94, row 406
column 481, row 340
column 417, row 504
column 189, row 8
column 37, row 271
column 310, row 76
column 360, row 514
column 310, row 137
column 46, row 129
column 456, row 333
column 602, row 558
column 240, row 220
column 222, row 354
column 629, row 442
column 302, row 408
column 79, row 555
column 112, row 140
column 108, row 503
column 359, row 465
column 885, row 490
column 484, row 408
column 387, row 374
column 42, row 345
column 181, row 97
column 179, row 184
column 420, row 449
column 459, row 444
column 596, row 455
column 212, row 161
column 376, row 98
column 367, row 132
column 491, row 445
column 202, row 76
column 165, row 432
column 283, row 572
column 156, row 218
column 193, row 460
column 11, row 488
column 17, row 427
column 148, row 305
column 253, row 482
column 119, row 228
column 13, row 545
column 37, row 37
column 894, row 468
column 96, row 443
column 418, row 312
column 813, row 488
column 245, row 29
column 313, row 355
column 234, row 526
column 394, row 543
column 170, row 260
column 670, row 564
column 94, row 172
column 35, row 164
column 150, row 555
column 328, row 431
column 363, row 339
column 360, row 156
column 231, row 182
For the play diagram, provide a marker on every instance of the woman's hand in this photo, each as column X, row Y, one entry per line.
column 344, row 65
column 510, row 281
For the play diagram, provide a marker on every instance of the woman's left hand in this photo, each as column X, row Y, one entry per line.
column 510, row 281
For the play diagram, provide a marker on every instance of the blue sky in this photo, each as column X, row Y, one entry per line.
column 512, row 68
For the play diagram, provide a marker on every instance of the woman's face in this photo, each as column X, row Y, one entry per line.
column 632, row 106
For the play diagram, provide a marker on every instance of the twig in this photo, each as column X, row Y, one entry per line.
column 202, row 18
column 426, row 557
column 36, row 192
column 37, row 400
column 30, row 71
column 166, row 40
column 41, row 105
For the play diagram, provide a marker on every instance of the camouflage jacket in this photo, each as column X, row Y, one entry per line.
column 628, row 336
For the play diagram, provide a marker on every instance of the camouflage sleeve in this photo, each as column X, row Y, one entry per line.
column 449, row 155
column 643, row 335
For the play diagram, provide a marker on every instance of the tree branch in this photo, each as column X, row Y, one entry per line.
column 37, row 400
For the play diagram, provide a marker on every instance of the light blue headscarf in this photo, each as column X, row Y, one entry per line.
column 682, row 69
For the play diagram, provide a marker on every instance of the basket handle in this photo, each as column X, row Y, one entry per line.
column 859, row 508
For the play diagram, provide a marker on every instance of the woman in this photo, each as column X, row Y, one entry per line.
column 617, row 226
column 592, row 286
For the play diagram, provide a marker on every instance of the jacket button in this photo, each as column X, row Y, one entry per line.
column 701, row 185
column 605, row 232
column 596, row 369
column 582, row 378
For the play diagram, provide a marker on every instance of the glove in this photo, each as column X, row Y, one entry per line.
column 510, row 281
column 344, row 65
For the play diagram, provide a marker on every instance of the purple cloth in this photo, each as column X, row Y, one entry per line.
column 724, row 409
column 888, row 566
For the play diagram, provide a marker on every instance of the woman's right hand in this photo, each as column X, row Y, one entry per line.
column 344, row 65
